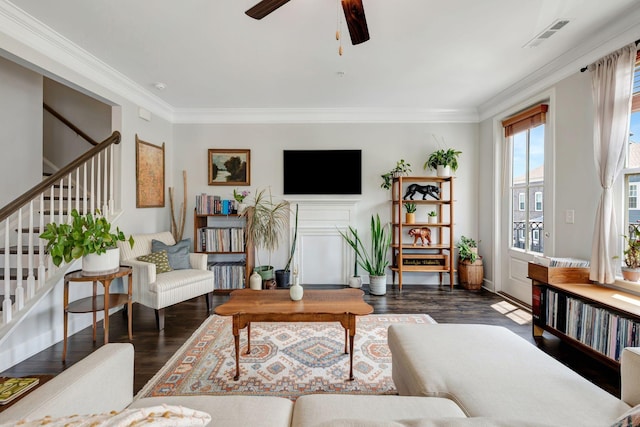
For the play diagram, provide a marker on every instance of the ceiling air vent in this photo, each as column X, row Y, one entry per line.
column 547, row 32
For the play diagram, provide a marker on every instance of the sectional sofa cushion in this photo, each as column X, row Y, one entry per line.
column 324, row 409
column 492, row 372
column 231, row 411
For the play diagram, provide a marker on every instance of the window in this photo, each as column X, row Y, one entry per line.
column 524, row 133
column 632, row 171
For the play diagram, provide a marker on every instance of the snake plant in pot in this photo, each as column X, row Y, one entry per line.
column 374, row 260
column 88, row 237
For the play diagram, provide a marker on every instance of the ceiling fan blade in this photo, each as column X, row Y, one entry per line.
column 356, row 21
column 264, row 8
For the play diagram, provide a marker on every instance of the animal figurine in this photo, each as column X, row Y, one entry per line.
column 425, row 190
column 422, row 233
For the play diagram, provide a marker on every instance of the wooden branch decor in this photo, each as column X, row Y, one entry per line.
column 177, row 229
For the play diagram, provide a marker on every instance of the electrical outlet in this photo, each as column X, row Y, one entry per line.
column 570, row 216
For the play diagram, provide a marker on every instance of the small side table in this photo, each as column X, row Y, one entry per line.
column 94, row 303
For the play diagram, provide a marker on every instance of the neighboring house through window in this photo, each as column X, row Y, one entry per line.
column 632, row 171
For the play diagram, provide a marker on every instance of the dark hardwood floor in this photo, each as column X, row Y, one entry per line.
column 153, row 348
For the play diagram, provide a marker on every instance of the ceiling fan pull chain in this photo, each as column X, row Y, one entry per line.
column 339, row 26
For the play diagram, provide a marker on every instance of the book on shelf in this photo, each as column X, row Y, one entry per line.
column 14, row 387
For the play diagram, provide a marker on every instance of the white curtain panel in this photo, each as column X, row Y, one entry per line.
column 612, row 85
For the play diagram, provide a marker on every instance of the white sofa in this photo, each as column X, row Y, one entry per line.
column 456, row 383
column 158, row 291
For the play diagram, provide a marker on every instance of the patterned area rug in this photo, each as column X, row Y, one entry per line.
column 286, row 360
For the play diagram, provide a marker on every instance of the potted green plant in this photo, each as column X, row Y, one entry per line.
column 88, row 237
column 470, row 268
column 443, row 161
column 265, row 221
column 373, row 261
column 631, row 270
column 402, row 168
column 433, row 217
column 283, row 276
column 411, row 212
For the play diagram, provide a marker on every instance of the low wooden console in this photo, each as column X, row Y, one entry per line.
column 599, row 321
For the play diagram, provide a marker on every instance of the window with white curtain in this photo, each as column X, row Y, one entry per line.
column 632, row 172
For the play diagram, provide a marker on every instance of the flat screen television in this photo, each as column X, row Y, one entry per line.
column 322, row 171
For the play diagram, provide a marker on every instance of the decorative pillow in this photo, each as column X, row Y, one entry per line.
column 160, row 259
column 163, row 415
column 631, row 418
column 178, row 253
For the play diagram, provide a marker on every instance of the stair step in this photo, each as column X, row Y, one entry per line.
column 13, row 273
column 57, row 197
column 13, row 250
column 36, row 230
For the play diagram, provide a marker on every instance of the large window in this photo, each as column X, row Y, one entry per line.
column 632, row 171
column 524, row 133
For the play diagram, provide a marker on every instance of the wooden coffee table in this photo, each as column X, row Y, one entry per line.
column 335, row 305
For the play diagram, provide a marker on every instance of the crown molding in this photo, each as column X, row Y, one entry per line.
column 619, row 32
column 322, row 115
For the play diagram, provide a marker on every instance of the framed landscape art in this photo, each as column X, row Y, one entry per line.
column 229, row 167
column 149, row 175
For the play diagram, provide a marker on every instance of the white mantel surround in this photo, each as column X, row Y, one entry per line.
column 322, row 256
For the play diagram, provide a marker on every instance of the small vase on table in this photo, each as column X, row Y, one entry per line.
column 296, row 291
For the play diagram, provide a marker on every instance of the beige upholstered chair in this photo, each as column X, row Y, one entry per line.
column 160, row 290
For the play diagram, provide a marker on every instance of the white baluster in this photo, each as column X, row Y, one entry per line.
column 84, row 188
column 77, row 187
column 98, row 176
column 93, row 188
column 60, row 203
column 105, row 182
column 69, row 197
column 31, row 279
column 19, row 288
column 6, row 303
column 111, row 201
column 41, row 268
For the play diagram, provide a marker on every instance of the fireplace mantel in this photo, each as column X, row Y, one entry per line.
column 322, row 255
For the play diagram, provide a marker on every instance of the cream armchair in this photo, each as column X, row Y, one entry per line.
column 160, row 290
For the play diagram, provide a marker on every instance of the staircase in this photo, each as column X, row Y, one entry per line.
column 27, row 273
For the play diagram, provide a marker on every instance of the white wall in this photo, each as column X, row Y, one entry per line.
column 21, row 124
column 382, row 145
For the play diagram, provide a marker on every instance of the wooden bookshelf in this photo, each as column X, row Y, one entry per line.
column 597, row 320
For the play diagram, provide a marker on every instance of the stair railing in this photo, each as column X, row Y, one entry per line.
column 87, row 185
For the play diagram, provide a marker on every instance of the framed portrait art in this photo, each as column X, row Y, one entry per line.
column 149, row 174
column 229, row 167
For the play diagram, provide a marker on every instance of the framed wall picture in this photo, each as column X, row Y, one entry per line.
column 229, row 167
column 149, row 174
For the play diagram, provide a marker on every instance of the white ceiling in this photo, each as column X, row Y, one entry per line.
column 424, row 55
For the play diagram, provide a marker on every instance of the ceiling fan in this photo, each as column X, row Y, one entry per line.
column 353, row 13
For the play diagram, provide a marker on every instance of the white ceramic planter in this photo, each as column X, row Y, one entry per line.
column 355, row 282
column 106, row 263
column 378, row 285
column 432, row 219
column 443, row 170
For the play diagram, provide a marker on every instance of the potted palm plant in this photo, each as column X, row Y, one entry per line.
column 631, row 270
column 402, row 168
column 266, row 220
column 373, row 261
column 443, row 161
column 88, row 237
